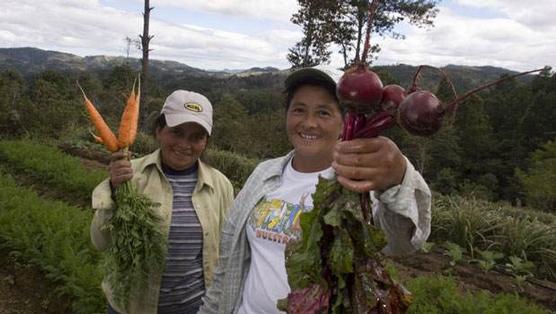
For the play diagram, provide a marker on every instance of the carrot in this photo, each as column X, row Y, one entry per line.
column 97, row 138
column 130, row 118
column 108, row 138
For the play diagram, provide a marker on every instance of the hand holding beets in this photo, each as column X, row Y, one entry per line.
column 366, row 164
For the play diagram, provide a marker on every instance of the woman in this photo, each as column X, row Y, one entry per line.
column 194, row 200
column 251, row 274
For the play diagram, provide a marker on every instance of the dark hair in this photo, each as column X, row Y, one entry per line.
column 160, row 122
column 290, row 91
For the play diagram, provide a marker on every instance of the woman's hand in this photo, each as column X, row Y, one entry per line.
column 120, row 169
column 367, row 164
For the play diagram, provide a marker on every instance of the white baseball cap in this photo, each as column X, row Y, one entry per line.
column 184, row 106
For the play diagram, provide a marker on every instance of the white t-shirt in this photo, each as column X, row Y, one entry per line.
column 274, row 221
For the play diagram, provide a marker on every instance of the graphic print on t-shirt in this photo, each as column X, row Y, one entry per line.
column 277, row 220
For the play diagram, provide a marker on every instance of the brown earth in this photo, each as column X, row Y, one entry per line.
column 23, row 289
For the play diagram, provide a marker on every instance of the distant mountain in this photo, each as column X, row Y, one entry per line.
column 32, row 60
column 463, row 77
column 29, row 61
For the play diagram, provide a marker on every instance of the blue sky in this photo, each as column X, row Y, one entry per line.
column 238, row 34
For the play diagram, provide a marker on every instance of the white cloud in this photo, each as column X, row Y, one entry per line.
column 456, row 39
column 538, row 14
column 260, row 9
column 65, row 25
column 521, row 37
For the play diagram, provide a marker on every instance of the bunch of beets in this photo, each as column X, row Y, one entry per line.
column 336, row 267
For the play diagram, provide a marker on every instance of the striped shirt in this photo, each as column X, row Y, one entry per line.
column 182, row 281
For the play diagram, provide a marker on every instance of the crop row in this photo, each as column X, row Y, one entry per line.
column 54, row 236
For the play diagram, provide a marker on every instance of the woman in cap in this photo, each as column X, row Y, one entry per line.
column 194, row 199
column 251, row 274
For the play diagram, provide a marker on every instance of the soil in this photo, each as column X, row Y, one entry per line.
column 23, row 289
column 472, row 278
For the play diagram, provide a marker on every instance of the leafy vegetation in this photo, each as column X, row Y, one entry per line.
column 54, row 236
column 439, row 294
column 46, row 165
column 476, row 227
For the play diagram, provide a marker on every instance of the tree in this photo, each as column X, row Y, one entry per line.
column 145, row 40
column 343, row 23
column 136, row 43
column 313, row 48
column 538, row 181
column 230, row 132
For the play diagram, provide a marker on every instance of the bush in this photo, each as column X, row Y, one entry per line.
column 538, row 181
column 236, row 167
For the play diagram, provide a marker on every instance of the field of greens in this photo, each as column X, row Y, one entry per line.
column 45, row 216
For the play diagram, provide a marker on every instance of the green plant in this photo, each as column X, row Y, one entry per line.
column 440, row 295
column 427, row 247
column 454, row 251
column 521, row 269
column 55, row 237
column 46, row 165
column 488, row 259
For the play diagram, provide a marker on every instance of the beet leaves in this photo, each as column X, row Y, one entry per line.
column 336, row 266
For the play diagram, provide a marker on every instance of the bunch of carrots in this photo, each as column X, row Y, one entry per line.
column 138, row 244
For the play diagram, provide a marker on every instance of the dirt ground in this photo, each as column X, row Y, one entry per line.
column 24, row 290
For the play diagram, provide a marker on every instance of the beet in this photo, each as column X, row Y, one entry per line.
column 360, row 89
column 392, row 97
column 421, row 113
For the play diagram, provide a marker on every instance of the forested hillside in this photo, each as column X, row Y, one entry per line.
column 487, row 152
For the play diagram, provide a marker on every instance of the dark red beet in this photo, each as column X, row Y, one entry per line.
column 360, row 89
column 392, row 97
column 420, row 113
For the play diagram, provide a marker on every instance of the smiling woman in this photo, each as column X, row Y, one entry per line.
column 193, row 202
column 265, row 216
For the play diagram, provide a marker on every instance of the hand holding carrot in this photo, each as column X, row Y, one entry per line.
column 120, row 169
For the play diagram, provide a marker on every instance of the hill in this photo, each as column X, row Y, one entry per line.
column 29, row 61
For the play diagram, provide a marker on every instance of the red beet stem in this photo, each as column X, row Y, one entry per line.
column 417, row 76
column 452, row 107
column 348, row 126
column 372, row 9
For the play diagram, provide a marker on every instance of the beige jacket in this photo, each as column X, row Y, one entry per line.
column 212, row 197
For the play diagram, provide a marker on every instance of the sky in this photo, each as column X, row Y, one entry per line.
column 240, row 34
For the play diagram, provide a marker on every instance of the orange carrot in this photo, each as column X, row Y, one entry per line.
column 108, row 138
column 97, row 138
column 130, row 119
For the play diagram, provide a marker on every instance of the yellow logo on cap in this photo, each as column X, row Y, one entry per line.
column 193, row 107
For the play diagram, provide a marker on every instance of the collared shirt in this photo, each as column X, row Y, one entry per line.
column 403, row 213
column 211, row 199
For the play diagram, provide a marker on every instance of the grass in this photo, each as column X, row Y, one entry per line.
column 474, row 224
